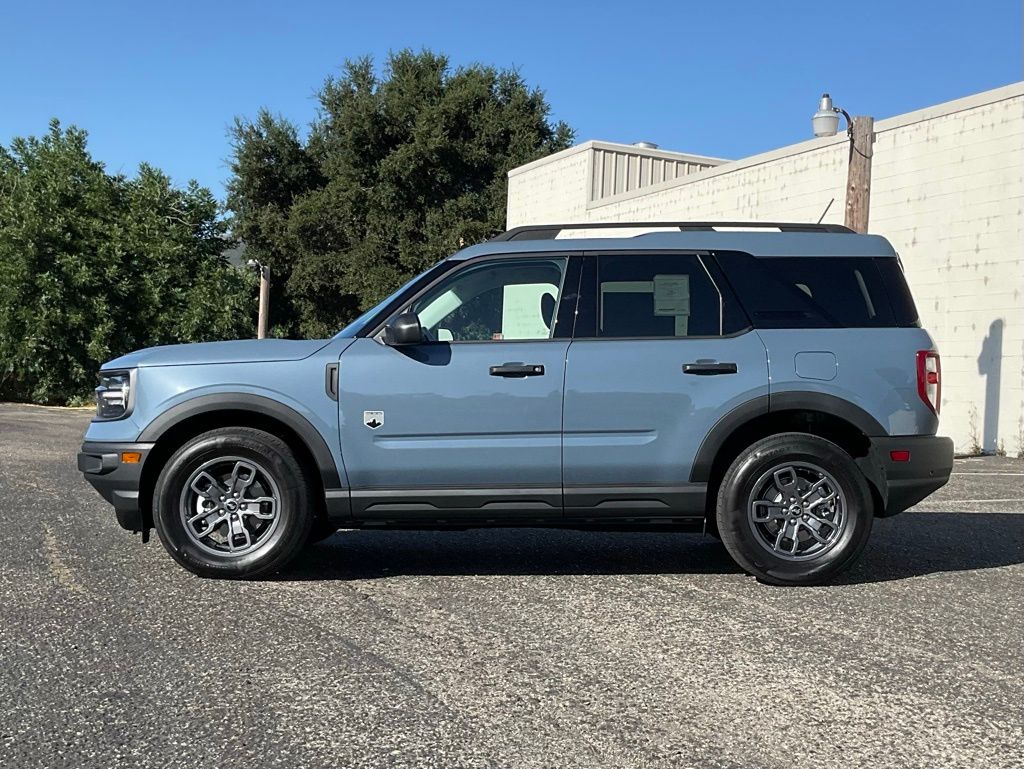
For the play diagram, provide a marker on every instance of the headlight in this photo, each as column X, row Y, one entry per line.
column 114, row 395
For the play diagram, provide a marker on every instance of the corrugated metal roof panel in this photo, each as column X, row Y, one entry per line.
column 616, row 169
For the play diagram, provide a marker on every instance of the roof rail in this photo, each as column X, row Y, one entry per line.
column 551, row 231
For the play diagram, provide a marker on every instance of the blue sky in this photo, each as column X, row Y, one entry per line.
column 161, row 82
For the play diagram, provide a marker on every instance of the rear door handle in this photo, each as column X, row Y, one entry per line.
column 700, row 368
column 517, row 370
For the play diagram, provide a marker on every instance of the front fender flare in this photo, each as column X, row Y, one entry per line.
column 257, row 404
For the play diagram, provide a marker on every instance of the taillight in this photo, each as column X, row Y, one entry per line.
column 929, row 378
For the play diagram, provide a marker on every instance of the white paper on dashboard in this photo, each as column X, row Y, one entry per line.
column 520, row 311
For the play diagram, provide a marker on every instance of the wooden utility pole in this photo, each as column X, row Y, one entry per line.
column 858, row 185
column 264, row 319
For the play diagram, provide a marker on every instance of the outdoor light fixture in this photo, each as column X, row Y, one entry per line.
column 826, row 120
column 860, row 132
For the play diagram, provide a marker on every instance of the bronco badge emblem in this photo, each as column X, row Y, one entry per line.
column 373, row 419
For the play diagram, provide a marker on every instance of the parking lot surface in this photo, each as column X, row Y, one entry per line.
column 503, row 648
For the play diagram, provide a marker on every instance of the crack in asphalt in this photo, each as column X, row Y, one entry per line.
column 64, row 576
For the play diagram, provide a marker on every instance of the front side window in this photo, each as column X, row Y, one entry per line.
column 656, row 296
column 496, row 301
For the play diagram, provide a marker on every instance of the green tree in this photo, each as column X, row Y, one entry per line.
column 397, row 172
column 94, row 265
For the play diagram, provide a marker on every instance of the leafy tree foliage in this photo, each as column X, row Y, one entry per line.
column 397, row 172
column 93, row 266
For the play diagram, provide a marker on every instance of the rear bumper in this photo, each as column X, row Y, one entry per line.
column 116, row 481
column 904, row 484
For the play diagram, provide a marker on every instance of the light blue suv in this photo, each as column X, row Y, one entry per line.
column 767, row 384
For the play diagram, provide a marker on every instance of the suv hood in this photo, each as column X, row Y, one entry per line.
column 238, row 351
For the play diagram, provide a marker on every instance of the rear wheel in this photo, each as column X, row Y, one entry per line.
column 232, row 502
column 794, row 509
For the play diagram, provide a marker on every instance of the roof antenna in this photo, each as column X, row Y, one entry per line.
column 825, row 211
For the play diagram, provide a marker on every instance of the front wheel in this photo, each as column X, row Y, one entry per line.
column 232, row 502
column 794, row 509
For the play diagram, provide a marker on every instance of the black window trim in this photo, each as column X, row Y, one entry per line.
column 711, row 269
column 403, row 303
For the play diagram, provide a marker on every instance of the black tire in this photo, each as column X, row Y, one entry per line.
column 748, row 544
column 279, row 476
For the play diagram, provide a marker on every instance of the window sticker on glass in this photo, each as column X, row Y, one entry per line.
column 672, row 295
column 521, row 311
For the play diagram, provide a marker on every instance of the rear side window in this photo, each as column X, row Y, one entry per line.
column 651, row 296
column 808, row 292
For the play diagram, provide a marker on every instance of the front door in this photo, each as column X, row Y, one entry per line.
column 469, row 422
column 660, row 354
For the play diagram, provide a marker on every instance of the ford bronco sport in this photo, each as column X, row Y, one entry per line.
column 768, row 384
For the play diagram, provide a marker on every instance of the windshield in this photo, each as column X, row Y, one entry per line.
column 353, row 328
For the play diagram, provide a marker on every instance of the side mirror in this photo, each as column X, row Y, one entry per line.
column 404, row 330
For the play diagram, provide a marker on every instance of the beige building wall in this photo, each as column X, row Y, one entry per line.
column 948, row 192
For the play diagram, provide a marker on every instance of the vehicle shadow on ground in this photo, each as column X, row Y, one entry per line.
column 909, row 545
column 917, row 544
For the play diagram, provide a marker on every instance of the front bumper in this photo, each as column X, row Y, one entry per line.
column 117, row 481
column 904, row 484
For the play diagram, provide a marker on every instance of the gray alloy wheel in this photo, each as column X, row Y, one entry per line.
column 794, row 509
column 233, row 502
column 797, row 511
column 230, row 506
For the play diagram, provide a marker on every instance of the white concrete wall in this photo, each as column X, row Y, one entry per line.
column 594, row 173
column 550, row 190
column 947, row 190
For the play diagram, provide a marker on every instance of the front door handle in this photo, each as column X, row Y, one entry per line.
column 707, row 368
column 517, row 370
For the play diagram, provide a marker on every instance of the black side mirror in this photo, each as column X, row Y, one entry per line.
column 405, row 329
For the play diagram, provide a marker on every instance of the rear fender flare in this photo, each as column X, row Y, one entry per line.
column 791, row 401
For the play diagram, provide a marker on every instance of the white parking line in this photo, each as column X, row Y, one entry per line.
column 971, row 501
column 1021, row 475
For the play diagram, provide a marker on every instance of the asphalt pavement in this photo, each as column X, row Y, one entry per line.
column 505, row 648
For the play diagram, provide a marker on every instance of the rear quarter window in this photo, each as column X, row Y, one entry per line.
column 903, row 308
column 819, row 292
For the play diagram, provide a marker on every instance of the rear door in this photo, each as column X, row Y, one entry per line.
column 661, row 351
